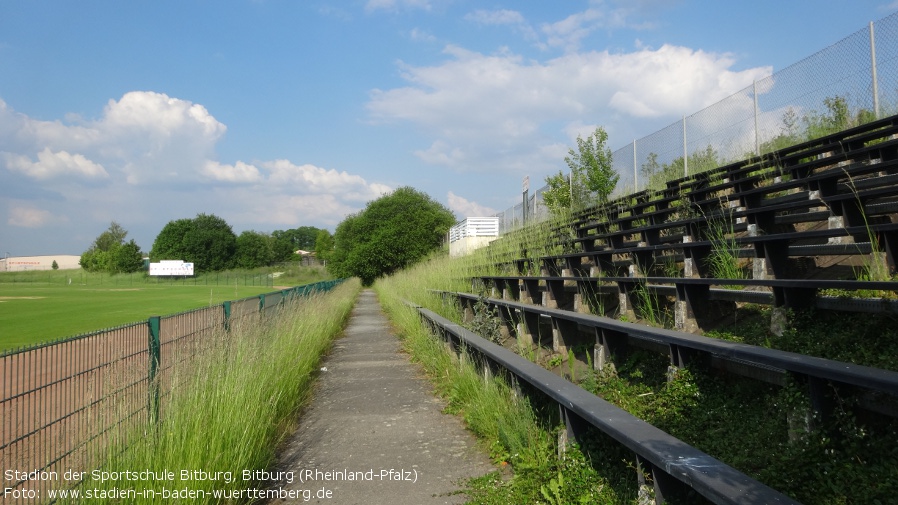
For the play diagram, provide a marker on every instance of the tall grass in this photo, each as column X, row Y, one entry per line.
column 235, row 404
column 723, row 263
column 516, row 432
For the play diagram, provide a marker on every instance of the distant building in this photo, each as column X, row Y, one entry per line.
column 22, row 263
column 471, row 234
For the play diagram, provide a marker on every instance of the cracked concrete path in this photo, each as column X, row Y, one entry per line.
column 374, row 432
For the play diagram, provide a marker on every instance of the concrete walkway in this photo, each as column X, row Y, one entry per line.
column 374, row 432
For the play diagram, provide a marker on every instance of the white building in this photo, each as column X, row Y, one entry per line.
column 22, row 263
column 471, row 234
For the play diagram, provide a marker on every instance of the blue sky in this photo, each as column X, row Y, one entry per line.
column 274, row 114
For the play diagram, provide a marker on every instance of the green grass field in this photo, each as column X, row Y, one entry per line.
column 46, row 307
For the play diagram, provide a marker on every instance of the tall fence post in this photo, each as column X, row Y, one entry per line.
column 685, row 151
column 754, row 92
column 635, row 179
column 155, row 358
column 873, row 70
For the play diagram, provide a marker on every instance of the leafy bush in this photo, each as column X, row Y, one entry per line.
column 391, row 233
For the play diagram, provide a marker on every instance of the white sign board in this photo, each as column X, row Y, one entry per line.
column 171, row 268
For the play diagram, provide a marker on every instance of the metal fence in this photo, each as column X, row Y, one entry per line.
column 851, row 81
column 63, row 404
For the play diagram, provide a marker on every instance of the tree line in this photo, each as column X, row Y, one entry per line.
column 207, row 241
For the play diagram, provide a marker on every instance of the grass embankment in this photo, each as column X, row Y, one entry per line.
column 38, row 307
column 236, row 403
column 765, row 431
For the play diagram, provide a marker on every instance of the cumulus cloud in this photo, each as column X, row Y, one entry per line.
column 475, row 104
column 51, row 164
column 149, row 136
column 466, row 208
column 150, row 158
column 239, row 172
column 309, row 179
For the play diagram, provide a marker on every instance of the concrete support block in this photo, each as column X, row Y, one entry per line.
column 467, row 313
column 758, row 265
column 624, row 307
column 836, row 222
column 600, row 357
column 779, row 320
column 758, row 268
column 525, row 338
column 565, row 335
column 683, row 319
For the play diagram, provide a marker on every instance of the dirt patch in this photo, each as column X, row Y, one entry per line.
column 126, row 289
column 5, row 298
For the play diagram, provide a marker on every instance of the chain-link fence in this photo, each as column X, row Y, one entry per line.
column 851, row 82
column 64, row 404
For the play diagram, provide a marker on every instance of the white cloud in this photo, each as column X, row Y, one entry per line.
column 441, row 153
column 479, row 106
column 157, row 113
column 466, row 208
column 496, row 17
column 30, row 217
column 155, row 157
column 503, row 17
column 286, row 176
column 419, row 35
column 54, row 164
column 149, row 136
column 569, row 32
column 240, row 172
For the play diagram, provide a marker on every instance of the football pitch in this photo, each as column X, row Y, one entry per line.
column 38, row 312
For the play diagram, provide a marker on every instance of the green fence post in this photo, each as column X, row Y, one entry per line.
column 155, row 358
column 227, row 315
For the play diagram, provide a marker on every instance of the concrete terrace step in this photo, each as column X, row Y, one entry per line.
column 374, row 414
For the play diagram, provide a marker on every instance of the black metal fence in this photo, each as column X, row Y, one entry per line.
column 63, row 404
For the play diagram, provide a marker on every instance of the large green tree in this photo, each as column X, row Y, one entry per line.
column 126, row 258
column 324, row 245
column 391, row 233
column 592, row 178
column 207, row 241
column 110, row 253
column 254, row 249
column 287, row 242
